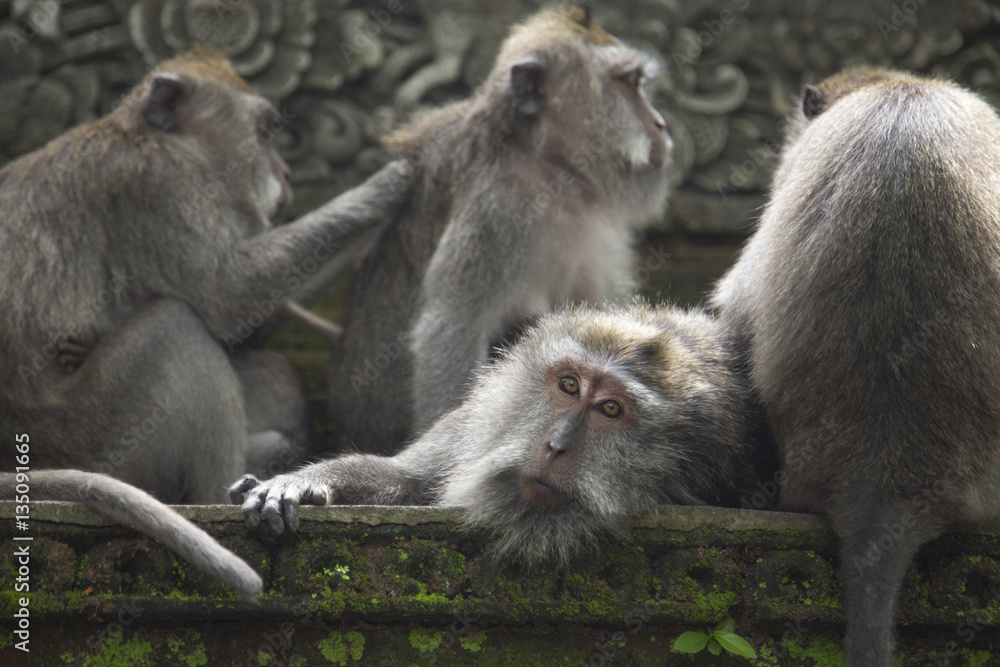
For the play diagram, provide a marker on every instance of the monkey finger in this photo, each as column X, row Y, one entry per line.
column 238, row 490
column 251, row 510
column 316, row 495
column 270, row 516
column 253, row 504
column 290, row 511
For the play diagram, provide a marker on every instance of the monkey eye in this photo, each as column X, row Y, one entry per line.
column 632, row 79
column 270, row 119
column 570, row 385
column 263, row 132
column 610, row 409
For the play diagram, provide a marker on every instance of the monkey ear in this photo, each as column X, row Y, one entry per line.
column 526, row 82
column 813, row 101
column 166, row 95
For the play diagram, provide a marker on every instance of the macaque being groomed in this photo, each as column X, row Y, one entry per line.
column 592, row 418
column 867, row 306
column 527, row 196
column 136, row 246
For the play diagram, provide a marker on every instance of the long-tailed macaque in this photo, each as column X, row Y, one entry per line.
column 527, row 195
column 866, row 305
column 136, row 247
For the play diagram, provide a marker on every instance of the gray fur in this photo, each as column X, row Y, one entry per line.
column 867, row 307
column 686, row 438
column 134, row 253
column 513, row 214
column 138, row 510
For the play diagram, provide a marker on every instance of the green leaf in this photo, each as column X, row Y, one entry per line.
column 691, row 642
column 735, row 644
column 714, row 648
column 727, row 625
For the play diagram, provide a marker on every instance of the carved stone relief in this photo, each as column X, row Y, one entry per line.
column 347, row 71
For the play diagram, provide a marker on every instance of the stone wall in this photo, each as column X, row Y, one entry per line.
column 407, row 586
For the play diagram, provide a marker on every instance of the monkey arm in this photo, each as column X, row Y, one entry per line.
column 265, row 270
column 409, row 478
column 468, row 294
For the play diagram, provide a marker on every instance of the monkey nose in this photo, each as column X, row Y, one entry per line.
column 554, row 448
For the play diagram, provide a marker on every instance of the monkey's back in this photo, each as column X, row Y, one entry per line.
column 371, row 370
column 877, row 266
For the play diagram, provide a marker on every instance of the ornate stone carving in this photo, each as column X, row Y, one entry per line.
column 269, row 41
column 347, row 71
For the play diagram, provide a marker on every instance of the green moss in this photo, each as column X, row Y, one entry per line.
column 473, row 643
column 337, row 647
column 67, row 658
column 822, row 651
column 428, row 598
column 196, row 658
column 117, row 653
column 972, row 658
column 264, row 658
column 425, row 641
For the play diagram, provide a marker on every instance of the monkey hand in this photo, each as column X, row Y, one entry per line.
column 275, row 502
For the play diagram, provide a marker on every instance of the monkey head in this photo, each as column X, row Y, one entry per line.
column 196, row 100
column 605, row 414
column 575, row 96
column 564, row 101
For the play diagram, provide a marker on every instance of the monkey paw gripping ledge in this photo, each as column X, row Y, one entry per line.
column 408, row 585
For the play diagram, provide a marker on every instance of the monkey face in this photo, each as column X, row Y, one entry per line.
column 586, row 403
column 198, row 100
column 577, row 96
column 592, row 418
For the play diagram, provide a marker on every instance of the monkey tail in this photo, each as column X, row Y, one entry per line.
column 136, row 509
column 874, row 559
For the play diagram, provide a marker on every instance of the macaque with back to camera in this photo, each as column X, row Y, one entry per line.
column 527, row 195
column 121, row 253
column 883, row 229
column 593, row 417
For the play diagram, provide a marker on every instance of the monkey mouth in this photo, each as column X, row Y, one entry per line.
column 543, row 495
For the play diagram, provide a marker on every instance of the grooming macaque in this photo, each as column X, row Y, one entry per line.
column 526, row 196
column 592, row 418
column 138, row 248
column 867, row 304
